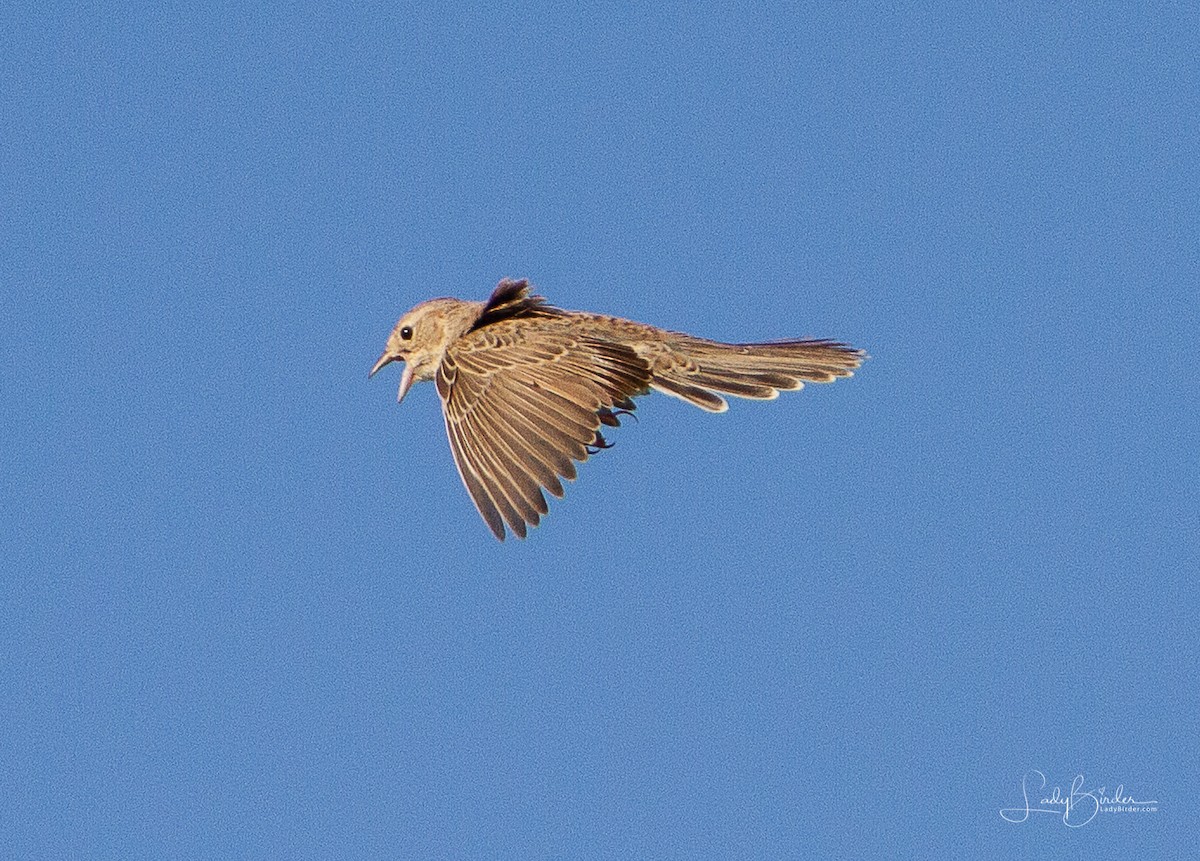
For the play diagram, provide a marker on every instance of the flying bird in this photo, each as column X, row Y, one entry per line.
column 526, row 386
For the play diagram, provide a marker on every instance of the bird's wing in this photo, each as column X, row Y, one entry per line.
column 521, row 403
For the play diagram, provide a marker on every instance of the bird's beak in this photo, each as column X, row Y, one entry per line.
column 406, row 381
column 406, row 378
column 386, row 359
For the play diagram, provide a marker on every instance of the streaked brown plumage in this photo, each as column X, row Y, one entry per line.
column 526, row 386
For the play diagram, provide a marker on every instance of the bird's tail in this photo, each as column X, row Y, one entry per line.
column 710, row 369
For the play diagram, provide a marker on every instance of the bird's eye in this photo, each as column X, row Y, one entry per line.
column 406, row 333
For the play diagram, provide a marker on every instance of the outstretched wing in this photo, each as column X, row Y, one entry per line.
column 522, row 401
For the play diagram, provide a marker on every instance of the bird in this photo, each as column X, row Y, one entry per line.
column 525, row 386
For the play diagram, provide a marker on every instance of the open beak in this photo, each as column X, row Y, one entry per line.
column 406, row 378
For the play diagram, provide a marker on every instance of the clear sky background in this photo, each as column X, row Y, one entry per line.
column 247, row 609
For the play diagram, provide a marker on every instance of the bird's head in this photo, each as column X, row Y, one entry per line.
column 423, row 335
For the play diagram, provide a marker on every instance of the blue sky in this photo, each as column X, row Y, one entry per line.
column 247, row 609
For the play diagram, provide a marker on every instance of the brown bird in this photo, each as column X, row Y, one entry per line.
column 526, row 386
